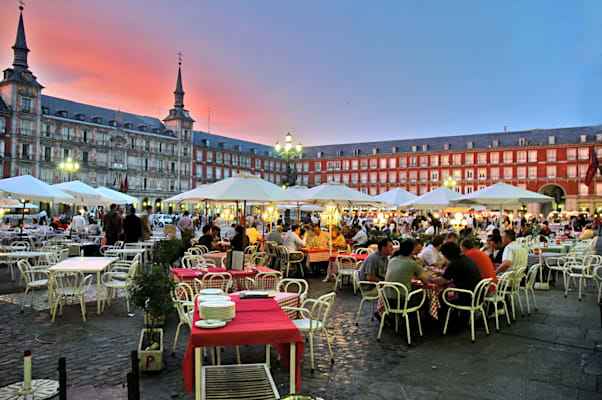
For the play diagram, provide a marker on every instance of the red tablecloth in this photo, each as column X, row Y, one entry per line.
column 187, row 275
column 257, row 321
column 332, row 265
column 283, row 299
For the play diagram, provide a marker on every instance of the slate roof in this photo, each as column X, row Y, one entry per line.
column 231, row 144
column 457, row 142
column 72, row 108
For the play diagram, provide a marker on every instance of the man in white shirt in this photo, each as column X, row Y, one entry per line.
column 514, row 256
column 360, row 238
column 431, row 255
column 293, row 242
column 217, row 221
column 79, row 223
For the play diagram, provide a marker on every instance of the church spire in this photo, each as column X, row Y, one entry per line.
column 20, row 47
column 179, row 92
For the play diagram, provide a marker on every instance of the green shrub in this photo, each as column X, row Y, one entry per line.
column 151, row 292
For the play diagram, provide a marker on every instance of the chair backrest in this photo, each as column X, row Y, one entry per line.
column 395, row 243
column 270, row 247
column 217, row 280
column 393, row 291
column 20, row 245
column 202, row 248
column 194, row 251
column 251, row 249
column 26, row 272
column 532, row 276
column 51, row 258
column 282, row 256
column 119, row 244
column 73, row 281
column 267, row 280
column 63, row 254
column 480, row 291
column 290, row 285
column 191, row 262
column 346, row 262
column 131, row 246
column 258, row 258
column 362, row 250
column 183, row 297
column 321, row 307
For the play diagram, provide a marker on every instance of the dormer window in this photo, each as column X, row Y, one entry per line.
column 446, row 146
column 221, row 145
column 320, row 154
column 394, row 150
column 583, row 138
column 80, row 116
column 339, row 153
column 496, row 143
column 414, row 148
column 45, row 110
column 522, row 141
column 156, row 130
column 128, row 125
column 142, row 128
column 238, row 148
column 253, row 150
column 62, row 113
column 375, row 151
column 599, row 137
column 551, row 139
column 113, row 123
column 425, row 147
column 356, row 152
column 469, row 145
column 97, row 120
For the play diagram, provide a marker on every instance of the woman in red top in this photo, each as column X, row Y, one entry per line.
column 481, row 259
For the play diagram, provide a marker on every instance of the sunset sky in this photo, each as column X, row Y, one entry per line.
column 327, row 71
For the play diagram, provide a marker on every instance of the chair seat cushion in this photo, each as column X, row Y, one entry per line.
column 303, row 324
column 346, row 271
column 115, row 284
column 39, row 282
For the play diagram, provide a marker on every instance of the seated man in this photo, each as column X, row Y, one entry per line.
column 240, row 241
column 461, row 269
column 514, row 255
column 253, row 233
column 481, row 259
column 293, row 242
column 207, row 239
column 319, row 239
column 360, row 239
column 402, row 268
column 275, row 236
column 497, row 246
column 431, row 255
column 451, row 237
column 374, row 267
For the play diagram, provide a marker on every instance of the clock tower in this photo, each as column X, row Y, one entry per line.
column 180, row 123
column 20, row 90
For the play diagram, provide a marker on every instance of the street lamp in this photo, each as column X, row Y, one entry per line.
column 450, row 182
column 380, row 220
column 289, row 152
column 69, row 166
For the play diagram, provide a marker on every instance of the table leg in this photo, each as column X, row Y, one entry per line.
column 198, row 369
column 293, row 377
column 98, row 293
column 267, row 355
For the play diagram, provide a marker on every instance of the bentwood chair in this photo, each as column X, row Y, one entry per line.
column 290, row 285
column 528, row 286
column 217, row 280
column 112, row 281
column 183, row 301
column 369, row 292
column 34, row 278
column 477, row 299
column 346, row 266
column 396, row 300
column 499, row 296
column 313, row 320
column 69, row 286
column 264, row 281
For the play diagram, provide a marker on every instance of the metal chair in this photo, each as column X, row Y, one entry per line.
column 477, row 299
column 264, row 281
column 217, row 280
column 69, row 285
column 314, row 320
column 346, row 266
column 113, row 281
column 368, row 294
column 32, row 279
column 183, row 301
column 529, row 284
column 300, row 287
column 499, row 296
column 401, row 299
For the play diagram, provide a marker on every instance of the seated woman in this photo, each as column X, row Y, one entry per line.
column 240, row 240
column 338, row 240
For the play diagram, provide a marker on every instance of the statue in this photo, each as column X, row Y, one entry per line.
column 290, row 178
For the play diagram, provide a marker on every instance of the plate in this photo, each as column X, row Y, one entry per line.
column 212, row 297
column 210, row 323
column 210, row 291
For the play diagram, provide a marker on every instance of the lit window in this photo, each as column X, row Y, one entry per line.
column 521, row 157
column 584, row 153
column 495, row 173
column 532, row 172
column 469, row 174
column 445, row 159
column 482, row 173
column 457, row 174
column 508, row 157
column 508, row 173
column 532, row 156
column 457, row 159
column 494, row 157
column 434, row 161
column 551, row 155
column 551, row 171
column 521, row 173
column 469, row 158
column 482, row 158
column 571, row 171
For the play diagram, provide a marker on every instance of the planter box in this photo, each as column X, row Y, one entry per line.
column 150, row 360
column 158, row 321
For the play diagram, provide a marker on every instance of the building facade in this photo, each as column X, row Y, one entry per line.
column 550, row 161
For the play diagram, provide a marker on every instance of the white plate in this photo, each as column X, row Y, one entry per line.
column 204, row 292
column 210, row 323
column 212, row 297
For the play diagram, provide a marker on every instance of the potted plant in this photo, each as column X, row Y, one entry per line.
column 151, row 292
column 166, row 252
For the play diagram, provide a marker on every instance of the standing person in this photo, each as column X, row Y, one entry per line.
column 218, row 221
column 78, row 224
column 113, row 225
column 132, row 227
column 145, row 224
column 186, row 227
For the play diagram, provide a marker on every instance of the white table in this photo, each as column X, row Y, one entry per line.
column 23, row 254
column 124, row 253
column 86, row 265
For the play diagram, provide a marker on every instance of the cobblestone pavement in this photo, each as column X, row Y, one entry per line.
column 554, row 354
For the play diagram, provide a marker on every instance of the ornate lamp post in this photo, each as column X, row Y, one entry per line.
column 289, row 152
column 330, row 216
column 450, row 183
column 69, row 166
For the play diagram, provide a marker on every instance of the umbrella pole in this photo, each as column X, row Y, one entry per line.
column 262, row 222
column 298, row 214
column 206, row 213
column 23, row 217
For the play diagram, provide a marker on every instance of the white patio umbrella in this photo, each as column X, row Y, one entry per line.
column 29, row 188
column 438, row 199
column 26, row 187
column 84, row 194
column 115, row 196
column 339, row 194
column 502, row 195
column 7, row 203
column 396, row 196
